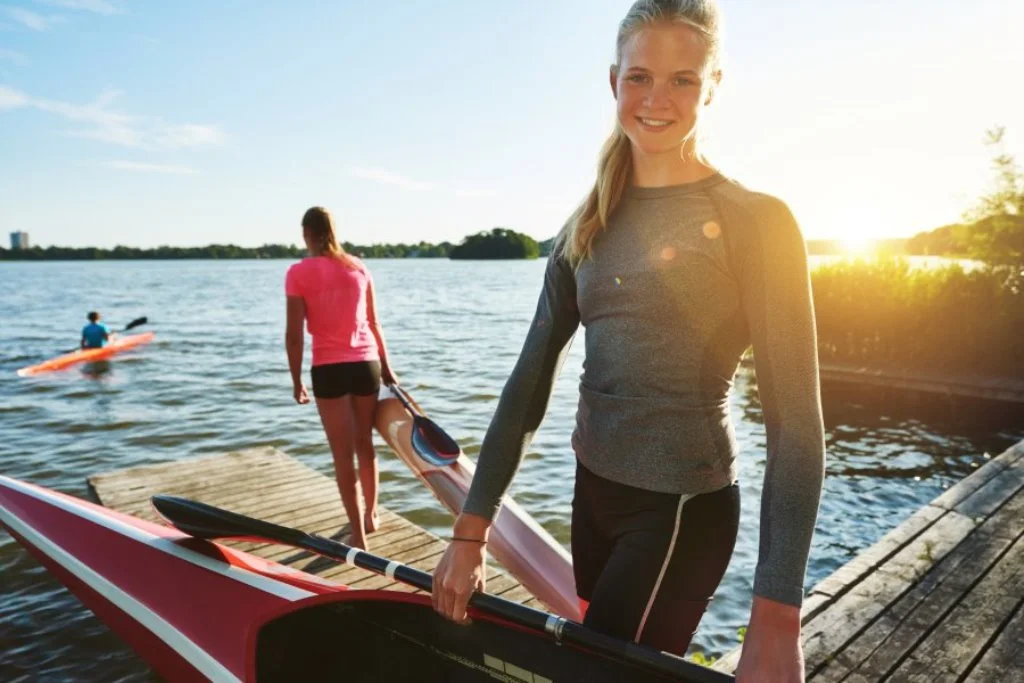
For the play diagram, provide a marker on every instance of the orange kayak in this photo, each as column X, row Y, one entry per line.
column 122, row 343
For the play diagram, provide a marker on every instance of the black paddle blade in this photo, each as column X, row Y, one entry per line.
column 433, row 443
column 209, row 522
column 135, row 323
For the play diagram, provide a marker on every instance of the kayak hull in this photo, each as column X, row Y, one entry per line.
column 119, row 345
column 184, row 605
column 516, row 540
column 198, row 611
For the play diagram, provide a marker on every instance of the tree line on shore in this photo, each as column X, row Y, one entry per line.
column 498, row 243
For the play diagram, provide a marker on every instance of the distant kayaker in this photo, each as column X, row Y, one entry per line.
column 332, row 294
column 674, row 270
column 95, row 335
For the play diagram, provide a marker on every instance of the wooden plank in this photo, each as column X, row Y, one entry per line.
column 328, row 507
column 1004, row 660
column 227, row 482
column 216, row 472
column 516, row 594
column 267, row 484
column 1008, row 389
column 230, row 486
column 947, row 653
column 965, row 487
column 255, row 505
column 240, row 488
column 396, row 531
column 496, row 585
column 860, row 566
column 883, row 645
column 994, row 493
column 813, row 605
column 196, row 468
column 827, row 634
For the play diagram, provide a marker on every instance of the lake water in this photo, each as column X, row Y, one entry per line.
column 215, row 379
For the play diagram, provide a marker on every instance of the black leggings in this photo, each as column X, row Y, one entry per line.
column 648, row 563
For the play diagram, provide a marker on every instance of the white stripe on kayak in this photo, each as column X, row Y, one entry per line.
column 164, row 544
column 196, row 656
column 350, row 556
column 389, row 571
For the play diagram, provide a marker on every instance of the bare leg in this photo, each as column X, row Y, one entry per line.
column 363, row 410
column 336, row 417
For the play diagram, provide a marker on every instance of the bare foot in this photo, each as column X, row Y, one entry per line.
column 358, row 540
column 371, row 523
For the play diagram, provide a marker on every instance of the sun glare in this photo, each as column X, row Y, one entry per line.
column 859, row 246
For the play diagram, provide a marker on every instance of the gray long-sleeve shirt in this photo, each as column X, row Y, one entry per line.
column 680, row 283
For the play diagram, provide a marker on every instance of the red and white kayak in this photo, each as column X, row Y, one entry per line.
column 517, row 541
column 118, row 345
column 196, row 610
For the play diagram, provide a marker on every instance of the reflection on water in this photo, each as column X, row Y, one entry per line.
column 215, row 379
column 96, row 370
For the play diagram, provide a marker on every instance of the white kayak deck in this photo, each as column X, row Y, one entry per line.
column 268, row 484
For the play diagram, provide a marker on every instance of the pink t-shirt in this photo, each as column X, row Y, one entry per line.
column 336, row 308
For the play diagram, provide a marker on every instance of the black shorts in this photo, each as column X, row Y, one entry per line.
column 647, row 562
column 340, row 379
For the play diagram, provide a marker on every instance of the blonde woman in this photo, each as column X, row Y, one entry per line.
column 673, row 270
column 331, row 293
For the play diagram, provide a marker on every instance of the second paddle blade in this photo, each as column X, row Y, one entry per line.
column 209, row 522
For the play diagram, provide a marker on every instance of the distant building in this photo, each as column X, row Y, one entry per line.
column 19, row 240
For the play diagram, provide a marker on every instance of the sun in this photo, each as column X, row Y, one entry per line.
column 859, row 246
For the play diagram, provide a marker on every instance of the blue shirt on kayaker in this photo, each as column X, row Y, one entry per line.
column 95, row 335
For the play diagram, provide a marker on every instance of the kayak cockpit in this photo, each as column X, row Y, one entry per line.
column 391, row 636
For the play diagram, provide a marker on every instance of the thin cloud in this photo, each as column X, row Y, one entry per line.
column 187, row 135
column 389, row 178
column 100, row 122
column 36, row 22
column 12, row 56
column 140, row 167
column 474, row 193
column 98, row 6
column 11, row 99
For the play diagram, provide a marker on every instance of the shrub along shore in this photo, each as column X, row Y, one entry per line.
column 883, row 312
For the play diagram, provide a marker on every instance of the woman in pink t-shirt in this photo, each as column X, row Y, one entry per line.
column 332, row 292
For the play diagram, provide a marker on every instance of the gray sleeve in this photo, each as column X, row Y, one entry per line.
column 776, row 292
column 524, row 399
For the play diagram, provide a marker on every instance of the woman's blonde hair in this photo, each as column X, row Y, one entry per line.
column 615, row 163
column 319, row 225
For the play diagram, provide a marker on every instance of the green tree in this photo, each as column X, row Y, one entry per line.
column 498, row 243
column 997, row 233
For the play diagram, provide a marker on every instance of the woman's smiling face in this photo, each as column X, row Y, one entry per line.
column 661, row 84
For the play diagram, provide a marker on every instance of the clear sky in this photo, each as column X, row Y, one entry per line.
column 188, row 122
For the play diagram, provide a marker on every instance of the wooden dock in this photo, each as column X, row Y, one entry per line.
column 939, row 598
column 266, row 483
column 913, row 382
column 1003, row 389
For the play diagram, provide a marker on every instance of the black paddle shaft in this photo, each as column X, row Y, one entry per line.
column 209, row 522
